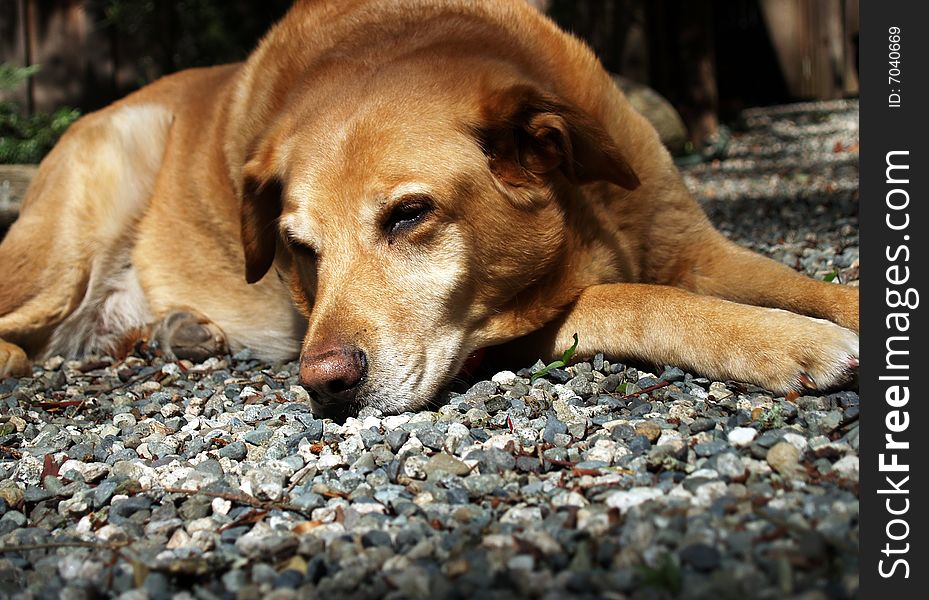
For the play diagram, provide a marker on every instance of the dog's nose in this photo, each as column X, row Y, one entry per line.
column 334, row 373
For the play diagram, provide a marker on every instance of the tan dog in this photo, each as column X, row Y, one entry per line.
column 399, row 184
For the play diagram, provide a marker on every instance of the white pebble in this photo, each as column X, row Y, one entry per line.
column 124, row 420
column 504, row 378
column 847, row 466
column 626, row 499
column 742, row 436
column 796, row 440
column 220, row 506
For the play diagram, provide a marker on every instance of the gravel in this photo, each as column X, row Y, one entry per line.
column 145, row 478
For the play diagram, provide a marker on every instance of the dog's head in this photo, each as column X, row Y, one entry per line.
column 414, row 231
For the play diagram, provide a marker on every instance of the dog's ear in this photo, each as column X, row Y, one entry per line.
column 527, row 133
column 261, row 207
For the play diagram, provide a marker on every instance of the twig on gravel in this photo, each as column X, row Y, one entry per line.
column 240, row 498
column 79, row 408
column 11, row 451
column 298, row 477
column 650, row 388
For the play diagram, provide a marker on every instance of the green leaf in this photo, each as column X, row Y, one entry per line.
column 565, row 358
column 11, row 77
column 831, row 277
column 28, row 138
column 544, row 370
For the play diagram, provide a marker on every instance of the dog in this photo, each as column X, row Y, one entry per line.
column 387, row 188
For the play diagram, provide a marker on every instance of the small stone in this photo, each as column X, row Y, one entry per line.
column 235, row 451
column 824, row 422
column 375, row 538
column 447, row 463
column 521, row 562
column 672, row 375
column 483, row 388
column 553, row 426
column 112, row 533
column 308, row 501
column 431, row 438
column 528, row 464
column 78, row 505
column 505, row 378
column 257, row 437
column 668, row 456
column 414, row 466
column 123, row 420
column 710, row 448
column 649, row 429
column 157, row 585
column 639, row 444
column 741, row 437
column 847, row 467
column 15, row 518
column 729, row 465
column 255, row 412
column 580, row 385
column 609, row 383
column 103, row 492
column 797, row 440
column 178, row 539
column 220, row 506
column 559, row 375
column 769, row 438
column 264, row 483
column 701, row 557
column 396, row 439
column 702, row 424
column 493, row 460
column 626, row 499
column 569, row 498
column 784, row 458
column 11, row 493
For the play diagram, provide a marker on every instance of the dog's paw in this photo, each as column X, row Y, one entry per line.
column 13, row 361
column 185, row 335
column 803, row 353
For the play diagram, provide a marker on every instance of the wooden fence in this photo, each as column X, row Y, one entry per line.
column 799, row 49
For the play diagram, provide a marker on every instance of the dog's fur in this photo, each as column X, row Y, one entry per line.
column 417, row 179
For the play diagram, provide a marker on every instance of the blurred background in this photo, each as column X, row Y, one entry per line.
column 689, row 64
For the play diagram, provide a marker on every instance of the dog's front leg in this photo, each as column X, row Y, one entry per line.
column 723, row 269
column 776, row 349
column 13, row 361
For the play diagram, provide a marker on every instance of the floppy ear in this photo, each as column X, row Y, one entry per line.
column 528, row 133
column 261, row 207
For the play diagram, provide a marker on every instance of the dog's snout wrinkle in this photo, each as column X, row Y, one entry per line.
column 335, row 374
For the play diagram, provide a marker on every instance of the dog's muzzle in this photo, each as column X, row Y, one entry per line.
column 335, row 375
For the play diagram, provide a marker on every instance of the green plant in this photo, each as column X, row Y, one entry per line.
column 11, row 77
column 565, row 358
column 28, row 138
column 772, row 419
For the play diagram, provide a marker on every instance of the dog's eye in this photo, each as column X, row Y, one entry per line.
column 300, row 248
column 407, row 214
